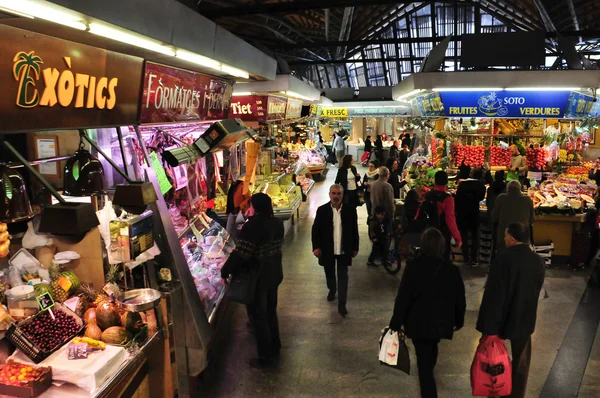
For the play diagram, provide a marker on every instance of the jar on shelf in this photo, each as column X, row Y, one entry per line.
column 22, row 302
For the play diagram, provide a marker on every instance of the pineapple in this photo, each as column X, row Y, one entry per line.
column 58, row 293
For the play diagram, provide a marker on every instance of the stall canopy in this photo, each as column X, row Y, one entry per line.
column 507, row 94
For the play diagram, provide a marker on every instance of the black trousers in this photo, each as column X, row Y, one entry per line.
column 341, row 284
column 427, row 353
column 470, row 251
column 263, row 317
column 521, row 359
column 379, row 248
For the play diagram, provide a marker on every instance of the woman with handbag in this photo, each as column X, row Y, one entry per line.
column 257, row 260
column 430, row 305
column 349, row 178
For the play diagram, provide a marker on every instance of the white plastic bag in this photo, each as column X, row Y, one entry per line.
column 31, row 240
column 388, row 351
column 105, row 216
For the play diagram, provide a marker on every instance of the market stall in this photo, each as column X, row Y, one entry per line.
column 550, row 127
column 83, row 309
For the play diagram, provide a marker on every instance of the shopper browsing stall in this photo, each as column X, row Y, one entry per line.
column 470, row 192
column 339, row 148
column 511, row 207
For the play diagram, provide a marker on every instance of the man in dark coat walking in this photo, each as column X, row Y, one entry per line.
column 335, row 242
column 510, row 301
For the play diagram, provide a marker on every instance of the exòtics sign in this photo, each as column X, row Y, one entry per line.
column 177, row 95
column 51, row 83
column 276, row 107
column 251, row 108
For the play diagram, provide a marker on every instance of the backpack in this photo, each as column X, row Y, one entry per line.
column 428, row 216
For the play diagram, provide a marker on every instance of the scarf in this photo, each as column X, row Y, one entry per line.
column 372, row 174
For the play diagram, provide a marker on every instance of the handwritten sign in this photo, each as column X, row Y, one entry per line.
column 45, row 301
column 161, row 176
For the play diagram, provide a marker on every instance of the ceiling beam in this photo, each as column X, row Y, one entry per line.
column 291, row 7
column 329, row 44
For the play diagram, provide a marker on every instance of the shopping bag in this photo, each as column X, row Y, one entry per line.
column 393, row 350
column 242, row 288
column 331, row 158
column 491, row 371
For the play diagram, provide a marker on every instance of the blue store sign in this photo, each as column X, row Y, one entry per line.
column 581, row 106
column 517, row 104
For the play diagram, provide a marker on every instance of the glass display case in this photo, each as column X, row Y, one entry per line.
column 304, row 177
column 206, row 247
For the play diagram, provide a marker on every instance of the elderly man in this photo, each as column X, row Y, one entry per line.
column 382, row 193
column 511, row 207
column 510, row 301
column 335, row 242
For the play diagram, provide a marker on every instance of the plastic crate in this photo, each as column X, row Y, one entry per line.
column 16, row 336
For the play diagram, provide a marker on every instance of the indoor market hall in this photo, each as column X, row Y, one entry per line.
column 299, row 198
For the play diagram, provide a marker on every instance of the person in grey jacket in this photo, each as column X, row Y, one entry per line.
column 511, row 207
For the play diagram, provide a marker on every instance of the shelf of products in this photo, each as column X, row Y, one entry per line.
column 206, row 247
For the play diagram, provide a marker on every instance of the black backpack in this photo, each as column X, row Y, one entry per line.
column 428, row 214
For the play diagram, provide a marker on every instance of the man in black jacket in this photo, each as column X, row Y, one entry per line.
column 335, row 241
column 470, row 192
column 510, row 301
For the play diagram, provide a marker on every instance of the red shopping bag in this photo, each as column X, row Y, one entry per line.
column 491, row 371
column 365, row 156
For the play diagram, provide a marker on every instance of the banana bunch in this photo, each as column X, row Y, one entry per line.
column 4, row 240
column 94, row 344
column 562, row 155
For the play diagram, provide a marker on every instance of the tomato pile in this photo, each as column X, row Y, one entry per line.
column 472, row 155
column 577, row 170
column 536, row 158
column 16, row 374
column 499, row 156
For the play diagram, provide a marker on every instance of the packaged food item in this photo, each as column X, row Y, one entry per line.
column 21, row 302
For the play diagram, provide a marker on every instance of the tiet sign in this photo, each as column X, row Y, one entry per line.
column 49, row 86
column 251, row 108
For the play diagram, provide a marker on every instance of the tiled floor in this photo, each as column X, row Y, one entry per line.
column 324, row 355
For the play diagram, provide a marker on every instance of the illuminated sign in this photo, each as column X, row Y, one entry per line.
column 335, row 112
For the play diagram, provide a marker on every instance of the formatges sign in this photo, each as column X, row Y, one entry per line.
column 49, row 83
column 177, row 95
column 335, row 112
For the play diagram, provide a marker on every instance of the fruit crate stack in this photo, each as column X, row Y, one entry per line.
column 485, row 244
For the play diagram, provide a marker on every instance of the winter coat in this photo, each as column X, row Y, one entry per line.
column 322, row 233
column 510, row 300
column 430, row 303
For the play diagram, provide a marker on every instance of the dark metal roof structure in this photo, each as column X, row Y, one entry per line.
column 357, row 43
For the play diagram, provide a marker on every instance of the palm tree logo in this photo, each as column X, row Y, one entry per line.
column 26, row 70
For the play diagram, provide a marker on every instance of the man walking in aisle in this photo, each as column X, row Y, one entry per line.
column 382, row 193
column 510, row 301
column 335, row 242
column 511, row 207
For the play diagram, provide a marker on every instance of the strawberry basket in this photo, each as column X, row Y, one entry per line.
column 39, row 336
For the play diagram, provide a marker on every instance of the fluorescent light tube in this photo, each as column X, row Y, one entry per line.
column 38, row 10
column 135, row 40
column 543, row 89
column 241, row 93
column 198, row 59
column 234, row 71
column 298, row 96
column 442, row 89
column 410, row 93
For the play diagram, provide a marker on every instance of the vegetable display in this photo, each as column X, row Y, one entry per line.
column 499, row 156
column 536, row 158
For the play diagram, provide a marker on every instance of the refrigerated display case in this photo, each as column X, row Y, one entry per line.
column 206, row 246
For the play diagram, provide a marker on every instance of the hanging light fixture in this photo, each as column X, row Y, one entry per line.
column 84, row 174
column 135, row 196
column 14, row 201
column 72, row 220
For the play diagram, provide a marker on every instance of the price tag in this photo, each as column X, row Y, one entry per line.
column 45, row 301
column 161, row 176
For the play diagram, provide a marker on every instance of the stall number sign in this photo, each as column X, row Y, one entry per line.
column 335, row 112
column 45, row 301
column 65, row 86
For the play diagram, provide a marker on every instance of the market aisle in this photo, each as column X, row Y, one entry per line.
column 325, row 355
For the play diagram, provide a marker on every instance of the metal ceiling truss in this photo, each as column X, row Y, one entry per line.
column 291, row 7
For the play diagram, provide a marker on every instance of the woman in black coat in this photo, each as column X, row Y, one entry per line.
column 349, row 179
column 379, row 150
column 395, row 180
column 259, row 247
column 430, row 305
